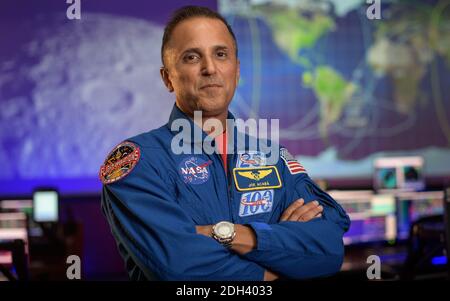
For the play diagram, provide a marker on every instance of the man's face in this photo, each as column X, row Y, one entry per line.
column 201, row 66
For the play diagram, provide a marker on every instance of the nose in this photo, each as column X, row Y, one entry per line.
column 209, row 66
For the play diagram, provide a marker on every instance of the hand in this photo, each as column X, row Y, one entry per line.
column 204, row 230
column 299, row 212
column 270, row 276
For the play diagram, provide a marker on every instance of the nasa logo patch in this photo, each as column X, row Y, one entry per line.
column 194, row 170
column 256, row 202
column 119, row 162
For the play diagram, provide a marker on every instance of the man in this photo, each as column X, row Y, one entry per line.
column 214, row 216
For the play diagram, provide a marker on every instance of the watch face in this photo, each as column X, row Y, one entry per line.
column 224, row 230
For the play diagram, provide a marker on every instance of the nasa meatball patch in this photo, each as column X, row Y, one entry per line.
column 119, row 162
column 194, row 170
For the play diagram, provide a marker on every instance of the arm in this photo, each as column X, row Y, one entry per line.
column 302, row 249
column 245, row 239
column 145, row 217
column 244, row 242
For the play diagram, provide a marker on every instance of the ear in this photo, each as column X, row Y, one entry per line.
column 165, row 77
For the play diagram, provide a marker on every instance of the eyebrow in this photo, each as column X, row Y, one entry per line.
column 198, row 50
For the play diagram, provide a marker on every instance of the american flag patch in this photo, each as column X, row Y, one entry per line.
column 291, row 163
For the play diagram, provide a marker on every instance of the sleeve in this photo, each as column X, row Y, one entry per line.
column 147, row 221
column 301, row 250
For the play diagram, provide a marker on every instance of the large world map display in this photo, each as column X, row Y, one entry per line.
column 346, row 89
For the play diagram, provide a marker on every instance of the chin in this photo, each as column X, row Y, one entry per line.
column 211, row 108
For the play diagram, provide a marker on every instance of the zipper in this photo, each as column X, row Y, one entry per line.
column 228, row 180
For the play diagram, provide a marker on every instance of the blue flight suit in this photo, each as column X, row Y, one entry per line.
column 153, row 211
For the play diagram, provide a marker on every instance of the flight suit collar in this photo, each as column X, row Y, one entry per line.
column 191, row 136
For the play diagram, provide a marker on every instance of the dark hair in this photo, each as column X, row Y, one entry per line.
column 188, row 12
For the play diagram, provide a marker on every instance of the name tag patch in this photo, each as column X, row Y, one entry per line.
column 257, row 178
column 256, row 202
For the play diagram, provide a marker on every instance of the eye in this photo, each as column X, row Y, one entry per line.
column 190, row 58
column 222, row 54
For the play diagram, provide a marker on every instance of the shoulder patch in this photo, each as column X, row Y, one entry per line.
column 119, row 162
column 292, row 164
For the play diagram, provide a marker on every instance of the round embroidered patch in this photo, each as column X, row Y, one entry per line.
column 194, row 170
column 119, row 162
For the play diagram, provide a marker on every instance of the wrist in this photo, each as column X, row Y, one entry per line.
column 245, row 240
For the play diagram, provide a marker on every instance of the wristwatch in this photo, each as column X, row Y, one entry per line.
column 224, row 233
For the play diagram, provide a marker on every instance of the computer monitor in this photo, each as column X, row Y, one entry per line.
column 447, row 227
column 372, row 216
column 45, row 206
column 13, row 225
column 25, row 206
column 399, row 173
column 414, row 205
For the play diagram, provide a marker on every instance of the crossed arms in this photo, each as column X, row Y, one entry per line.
column 145, row 216
column 246, row 241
